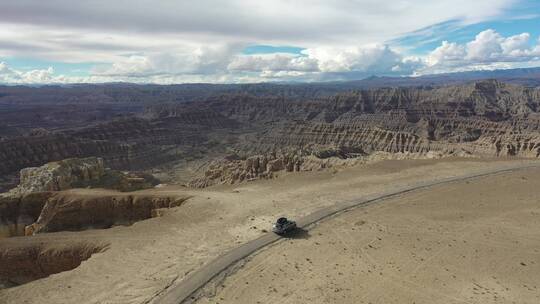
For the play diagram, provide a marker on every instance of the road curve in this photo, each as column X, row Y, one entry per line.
column 180, row 292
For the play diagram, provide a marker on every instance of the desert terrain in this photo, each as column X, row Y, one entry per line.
column 466, row 242
column 123, row 194
column 261, row 152
column 206, row 138
column 418, row 232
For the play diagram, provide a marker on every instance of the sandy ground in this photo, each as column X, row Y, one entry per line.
column 148, row 256
column 466, row 242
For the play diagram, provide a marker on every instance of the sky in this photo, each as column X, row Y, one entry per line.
column 239, row 41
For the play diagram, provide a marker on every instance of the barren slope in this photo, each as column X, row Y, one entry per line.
column 144, row 259
column 467, row 242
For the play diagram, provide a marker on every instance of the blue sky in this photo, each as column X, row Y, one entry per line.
column 425, row 40
column 269, row 49
column 65, row 68
column 242, row 41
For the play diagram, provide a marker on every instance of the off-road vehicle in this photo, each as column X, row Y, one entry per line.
column 283, row 225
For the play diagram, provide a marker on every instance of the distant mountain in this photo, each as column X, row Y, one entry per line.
column 527, row 77
column 152, row 93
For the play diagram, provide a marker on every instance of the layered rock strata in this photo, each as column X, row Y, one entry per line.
column 17, row 212
column 72, row 212
column 486, row 118
column 23, row 261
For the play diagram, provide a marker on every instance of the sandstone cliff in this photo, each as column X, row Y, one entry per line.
column 17, row 212
column 30, row 206
column 22, row 261
column 483, row 119
column 61, row 175
column 486, row 118
column 78, row 211
column 79, row 173
column 60, row 211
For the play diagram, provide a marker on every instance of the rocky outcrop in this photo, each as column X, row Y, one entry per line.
column 23, row 261
column 132, row 144
column 17, row 212
column 29, row 151
column 79, row 173
column 483, row 139
column 79, row 211
column 126, row 181
column 59, row 211
column 61, row 175
column 233, row 169
column 30, row 206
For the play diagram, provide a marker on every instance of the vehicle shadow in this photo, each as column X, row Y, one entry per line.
column 298, row 233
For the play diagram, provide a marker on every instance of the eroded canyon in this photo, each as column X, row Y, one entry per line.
column 212, row 139
column 98, row 162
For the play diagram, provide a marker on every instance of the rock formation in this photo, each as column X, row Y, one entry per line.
column 72, row 211
column 36, row 204
column 22, row 262
column 79, row 173
column 59, row 211
column 17, row 212
column 61, row 175
column 233, row 169
column 485, row 118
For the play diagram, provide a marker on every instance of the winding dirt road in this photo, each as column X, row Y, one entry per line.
column 185, row 289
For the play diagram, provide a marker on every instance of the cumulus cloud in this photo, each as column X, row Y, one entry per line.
column 5, row 71
column 447, row 52
column 325, row 63
column 225, row 63
column 489, row 50
column 9, row 75
column 166, row 41
column 198, row 41
column 273, row 63
column 187, row 60
column 515, row 44
column 369, row 59
column 486, row 47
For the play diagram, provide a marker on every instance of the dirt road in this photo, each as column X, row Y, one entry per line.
column 145, row 259
column 187, row 288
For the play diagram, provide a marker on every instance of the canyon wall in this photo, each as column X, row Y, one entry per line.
column 486, row 118
column 22, row 262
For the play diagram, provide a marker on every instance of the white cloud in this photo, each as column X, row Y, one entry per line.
column 192, row 41
column 374, row 59
column 515, row 44
column 225, row 64
column 174, row 58
column 489, row 50
column 9, row 75
column 103, row 31
column 273, row 63
column 486, row 47
column 5, row 71
column 39, row 76
column 301, row 22
column 188, row 60
column 446, row 52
